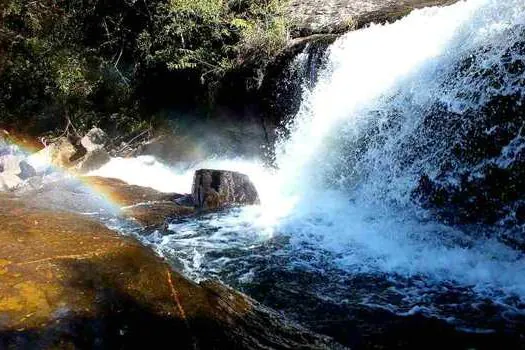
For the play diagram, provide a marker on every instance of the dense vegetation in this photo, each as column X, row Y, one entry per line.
column 114, row 62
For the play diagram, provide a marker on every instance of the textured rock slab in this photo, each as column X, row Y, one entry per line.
column 107, row 197
column 337, row 16
column 68, row 282
column 215, row 189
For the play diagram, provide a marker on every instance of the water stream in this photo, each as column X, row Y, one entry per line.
column 339, row 237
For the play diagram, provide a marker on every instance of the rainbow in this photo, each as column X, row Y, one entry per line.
column 36, row 155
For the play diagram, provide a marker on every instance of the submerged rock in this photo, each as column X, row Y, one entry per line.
column 215, row 189
column 67, row 281
column 482, row 177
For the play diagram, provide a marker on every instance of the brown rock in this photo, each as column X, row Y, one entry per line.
column 339, row 16
column 214, row 189
column 63, row 153
column 74, row 157
column 125, row 194
column 146, row 205
column 68, row 282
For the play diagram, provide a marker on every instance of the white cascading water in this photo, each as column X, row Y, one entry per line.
column 333, row 198
column 404, row 67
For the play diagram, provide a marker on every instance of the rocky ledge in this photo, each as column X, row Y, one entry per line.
column 67, row 281
column 339, row 16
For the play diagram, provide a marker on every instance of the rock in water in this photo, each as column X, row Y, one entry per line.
column 147, row 206
column 214, row 189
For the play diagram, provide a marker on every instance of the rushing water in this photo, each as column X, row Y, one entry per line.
column 338, row 237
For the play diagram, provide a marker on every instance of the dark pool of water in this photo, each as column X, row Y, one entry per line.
column 359, row 309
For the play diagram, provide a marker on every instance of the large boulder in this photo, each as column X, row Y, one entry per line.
column 94, row 140
column 215, row 189
column 77, row 155
column 63, row 153
column 68, row 282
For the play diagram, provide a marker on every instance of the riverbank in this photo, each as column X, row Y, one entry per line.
column 67, row 281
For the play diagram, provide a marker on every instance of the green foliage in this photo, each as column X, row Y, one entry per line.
column 265, row 37
column 86, row 60
column 213, row 36
column 69, row 72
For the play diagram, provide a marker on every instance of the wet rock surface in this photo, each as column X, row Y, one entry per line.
column 67, row 281
column 16, row 165
column 215, row 189
column 482, row 177
column 149, row 207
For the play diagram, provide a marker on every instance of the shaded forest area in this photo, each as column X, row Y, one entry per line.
column 121, row 64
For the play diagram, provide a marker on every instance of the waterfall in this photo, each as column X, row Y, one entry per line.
column 399, row 103
column 404, row 165
column 394, row 100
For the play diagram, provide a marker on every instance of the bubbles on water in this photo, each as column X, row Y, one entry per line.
column 340, row 207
